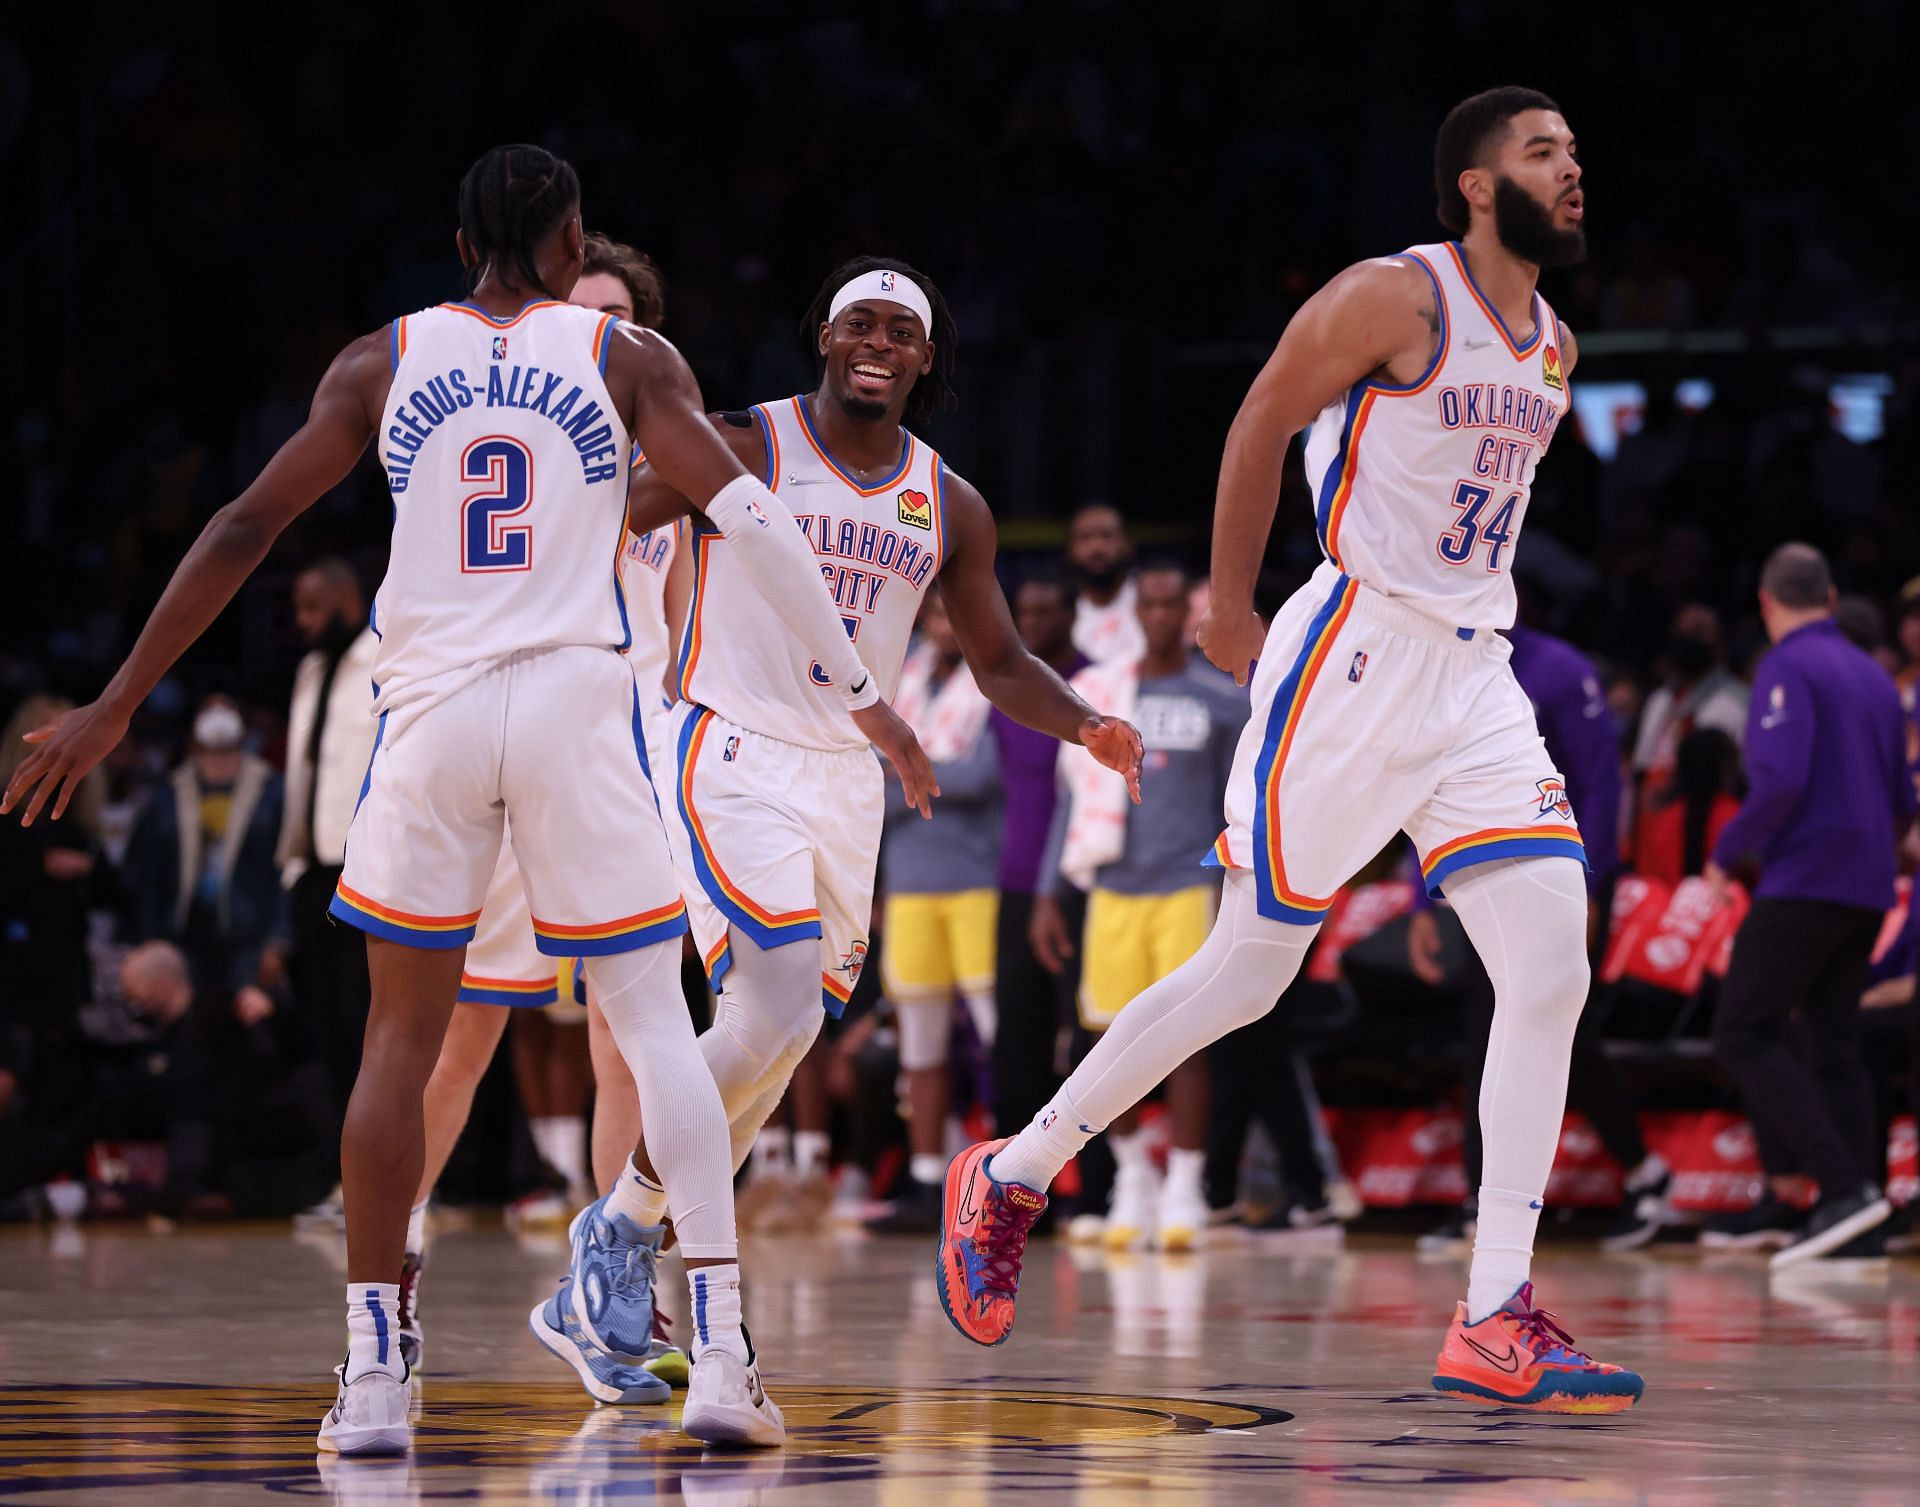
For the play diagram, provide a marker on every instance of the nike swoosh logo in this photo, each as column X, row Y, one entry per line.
column 1536, row 1204
column 1510, row 1362
column 967, row 1205
column 1475, row 345
column 1769, row 722
column 860, row 686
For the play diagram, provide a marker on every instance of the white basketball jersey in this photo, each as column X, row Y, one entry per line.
column 880, row 547
column 645, row 560
column 1420, row 490
column 508, row 468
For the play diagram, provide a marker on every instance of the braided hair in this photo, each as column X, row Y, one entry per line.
column 932, row 392
column 509, row 200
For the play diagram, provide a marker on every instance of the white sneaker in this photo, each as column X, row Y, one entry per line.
column 369, row 1417
column 1086, row 1229
column 1183, row 1217
column 727, row 1405
column 1133, row 1214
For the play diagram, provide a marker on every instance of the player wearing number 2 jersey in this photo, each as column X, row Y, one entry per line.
column 774, row 801
column 503, row 424
column 1382, row 701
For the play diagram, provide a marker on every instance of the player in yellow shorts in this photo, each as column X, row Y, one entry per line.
column 941, row 878
column 1150, row 904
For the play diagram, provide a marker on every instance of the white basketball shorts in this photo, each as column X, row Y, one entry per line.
column 776, row 844
column 553, row 736
column 1370, row 718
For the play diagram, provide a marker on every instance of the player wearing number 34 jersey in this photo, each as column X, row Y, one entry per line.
column 1433, row 382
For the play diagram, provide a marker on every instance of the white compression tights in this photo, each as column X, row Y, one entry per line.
column 1527, row 918
column 639, row 994
column 769, row 1014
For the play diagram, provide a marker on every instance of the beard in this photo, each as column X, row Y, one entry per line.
column 1527, row 230
column 856, row 407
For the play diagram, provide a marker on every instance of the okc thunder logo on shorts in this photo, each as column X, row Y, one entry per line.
column 499, row 347
column 1553, row 800
column 854, row 961
column 727, row 753
column 1357, row 668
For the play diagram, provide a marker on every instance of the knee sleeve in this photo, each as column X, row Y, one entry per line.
column 768, row 1015
column 925, row 1026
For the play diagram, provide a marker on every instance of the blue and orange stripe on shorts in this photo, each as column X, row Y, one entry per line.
column 518, row 993
column 1278, row 901
column 602, row 939
column 1500, row 842
column 436, row 933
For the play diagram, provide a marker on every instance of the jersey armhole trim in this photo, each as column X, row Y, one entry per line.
column 771, row 441
column 939, row 513
column 397, row 341
column 603, row 341
column 1439, row 358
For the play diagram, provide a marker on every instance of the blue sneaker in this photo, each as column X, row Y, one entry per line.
column 606, row 1379
column 612, row 1284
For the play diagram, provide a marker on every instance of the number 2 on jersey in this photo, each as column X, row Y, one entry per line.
column 819, row 676
column 488, row 543
column 1457, row 544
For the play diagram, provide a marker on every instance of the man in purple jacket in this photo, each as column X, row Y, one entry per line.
column 1828, row 803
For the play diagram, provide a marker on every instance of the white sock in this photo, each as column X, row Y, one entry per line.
column 810, row 1151
column 771, row 1152
column 373, row 1330
column 1502, row 1249
column 927, row 1168
column 1187, row 1170
column 1034, row 1157
column 417, row 1228
column 638, row 1197
column 716, row 1309
column 562, row 1144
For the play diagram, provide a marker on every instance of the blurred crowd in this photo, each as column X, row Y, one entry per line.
column 179, row 1022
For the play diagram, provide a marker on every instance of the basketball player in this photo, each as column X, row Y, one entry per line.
column 504, row 426
column 774, row 801
column 1432, row 380
column 505, row 967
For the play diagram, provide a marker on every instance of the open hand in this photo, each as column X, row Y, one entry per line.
column 1231, row 639
column 65, row 752
column 1117, row 745
column 880, row 724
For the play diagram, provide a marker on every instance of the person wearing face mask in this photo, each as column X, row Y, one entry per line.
column 200, row 864
column 1698, row 691
column 330, row 728
column 1106, row 622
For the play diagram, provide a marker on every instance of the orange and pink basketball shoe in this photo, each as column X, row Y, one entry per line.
column 983, row 1235
column 1518, row 1357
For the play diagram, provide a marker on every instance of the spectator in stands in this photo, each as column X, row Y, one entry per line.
column 1026, row 1055
column 330, row 732
column 1907, row 640
column 1697, row 690
column 1829, row 803
column 200, row 870
column 1100, row 553
column 1679, row 830
column 940, row 877
column 1149, row 906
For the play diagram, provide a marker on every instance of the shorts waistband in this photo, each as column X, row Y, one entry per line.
column 1399, row 618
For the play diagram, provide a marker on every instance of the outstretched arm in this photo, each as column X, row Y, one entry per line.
column 1374, row 317
column 1025, row 688
column 236, row 539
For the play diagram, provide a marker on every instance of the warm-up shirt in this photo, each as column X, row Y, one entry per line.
column 1828, row 793
column 1190, row 725
column 960, row 848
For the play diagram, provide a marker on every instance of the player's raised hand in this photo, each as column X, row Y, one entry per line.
column 883, row 728
column 1117, row 745
column 1231, row 638
column 66, row 750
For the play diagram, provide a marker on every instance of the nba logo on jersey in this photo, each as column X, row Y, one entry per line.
column 1357, row 668
column 499, row 347
column 1550, row 369
column 916, row 510
column 728, row 753
column 1553, row 801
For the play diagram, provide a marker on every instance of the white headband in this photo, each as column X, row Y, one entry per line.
column 896, row 287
